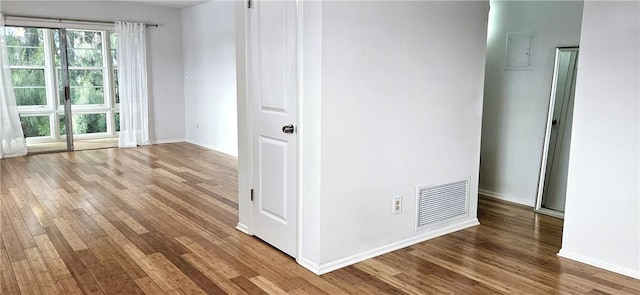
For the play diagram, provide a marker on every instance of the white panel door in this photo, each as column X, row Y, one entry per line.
column 273, row 90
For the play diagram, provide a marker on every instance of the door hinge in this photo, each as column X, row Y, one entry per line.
column 251, row 195
column 248, row 3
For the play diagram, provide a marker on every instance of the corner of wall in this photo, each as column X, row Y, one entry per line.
column 309, row 110
column 505, row 197
column 309, row 265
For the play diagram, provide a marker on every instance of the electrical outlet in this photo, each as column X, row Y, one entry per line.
column 397, row 205
column 197, row 126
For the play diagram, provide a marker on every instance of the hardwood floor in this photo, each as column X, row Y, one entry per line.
column 78, row 145
column 160, row 220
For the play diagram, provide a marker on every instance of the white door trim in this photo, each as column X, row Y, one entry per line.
column 245, row 153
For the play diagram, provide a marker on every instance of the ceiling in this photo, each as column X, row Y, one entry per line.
column 177, row 4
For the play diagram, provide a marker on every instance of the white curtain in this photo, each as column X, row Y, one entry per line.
column 132, row 79
column 12, row 139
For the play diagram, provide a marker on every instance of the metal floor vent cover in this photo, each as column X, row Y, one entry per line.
column 441, row 202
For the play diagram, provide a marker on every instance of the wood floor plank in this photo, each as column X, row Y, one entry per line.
column 148, row 286
column 40, row 271
column 161, row 219
column 69, row 234
column 210, row 258
column 127, row 285
column 389, row 278
column 176, row 275
column 8, row 283
column 267, row 286
column 485, row 273
column 69, row 286
column 181, row 208
column 10, row 239
column 627, row 282
column 78, row 271
column 17, row 198
column 31, row 221
column 122, row 258
column 222, row 281
column 103, row 273
column 248, row 286
column 55, row 264
column 178, row 262
column 40, row 213
column 159, row 277
column 24, row 276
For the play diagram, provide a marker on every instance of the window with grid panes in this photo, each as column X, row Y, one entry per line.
column 34, row 58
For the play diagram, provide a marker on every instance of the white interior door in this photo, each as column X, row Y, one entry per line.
column 273, row 90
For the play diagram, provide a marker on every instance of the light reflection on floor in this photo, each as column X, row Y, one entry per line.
column 79, row 145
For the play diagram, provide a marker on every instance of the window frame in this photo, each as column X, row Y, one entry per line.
column 54, row 108
column 45, row 67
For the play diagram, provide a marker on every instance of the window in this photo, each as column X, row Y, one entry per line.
column 26, row 51
column 36, row 71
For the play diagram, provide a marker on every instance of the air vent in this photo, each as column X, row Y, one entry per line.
column 441, row 202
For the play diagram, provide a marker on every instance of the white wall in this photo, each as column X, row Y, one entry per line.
column 602, row 219
column 401, row 107
column 208, row 34
column 391, row 100
column 516, row 102
column 310, row 142
column 164, row 52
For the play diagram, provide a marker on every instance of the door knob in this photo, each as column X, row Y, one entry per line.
column 554, row 122
column 288, row 128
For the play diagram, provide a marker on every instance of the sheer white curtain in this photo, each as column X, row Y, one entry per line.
column 12, row 139
column 132, row 79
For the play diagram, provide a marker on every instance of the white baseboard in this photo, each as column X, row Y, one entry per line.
column 634, row 273
column 504, row 197
column 211, row 148
column 243, row 228
column 309, row 265
column 340, row 263
column 161, row 141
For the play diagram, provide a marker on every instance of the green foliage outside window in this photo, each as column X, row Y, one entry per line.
column 117, row 121
column 85, row 123
column 29, row 86
column 84, row 48
column 34, row 126
column 25, row 46
column 86, row 87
